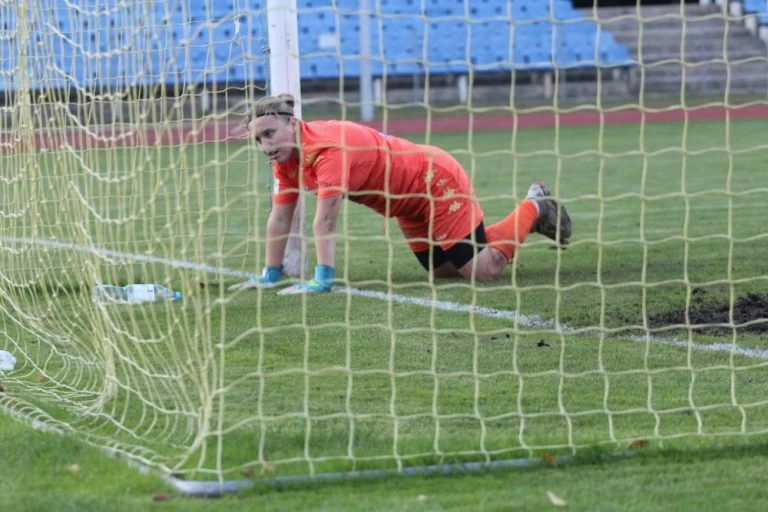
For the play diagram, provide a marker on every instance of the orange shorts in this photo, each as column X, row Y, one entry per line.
column 449, row 211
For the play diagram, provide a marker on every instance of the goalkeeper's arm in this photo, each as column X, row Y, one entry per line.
column 324, row 229
column 278, row 229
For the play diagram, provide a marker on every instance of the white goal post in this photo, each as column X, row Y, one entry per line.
column 284, row 77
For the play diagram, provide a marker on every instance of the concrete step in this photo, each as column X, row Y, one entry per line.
column 670, row 24
column 700, row 87
column 710, row 81
column 741, row 41
column 699, row 49
column 647, row 55
column 655, row 11
column 744, row 68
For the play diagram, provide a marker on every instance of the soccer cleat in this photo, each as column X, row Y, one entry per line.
column 553, row 220
column 251, row 284
column 538, row 189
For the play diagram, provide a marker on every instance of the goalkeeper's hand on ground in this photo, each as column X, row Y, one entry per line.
column 323, row 282
column 268, row 278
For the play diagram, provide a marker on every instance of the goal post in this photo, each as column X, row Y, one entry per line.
column 647, row 332
column 284, row 77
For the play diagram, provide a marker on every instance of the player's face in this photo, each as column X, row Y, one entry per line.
column 275, row 136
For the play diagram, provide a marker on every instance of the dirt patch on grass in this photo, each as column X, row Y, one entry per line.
column 712, row 317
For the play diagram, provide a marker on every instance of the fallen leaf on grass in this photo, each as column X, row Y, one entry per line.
column 556, row 500
column 40, row 378
column 2, row 389
column 161, row 496
column 638, row 444
column 247, row 472
column 549, row 459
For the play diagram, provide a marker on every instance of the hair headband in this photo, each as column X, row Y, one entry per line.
column 278, row 113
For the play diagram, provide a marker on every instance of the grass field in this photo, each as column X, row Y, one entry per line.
column 560, row 356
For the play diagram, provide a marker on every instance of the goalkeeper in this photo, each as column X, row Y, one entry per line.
column 424, row 187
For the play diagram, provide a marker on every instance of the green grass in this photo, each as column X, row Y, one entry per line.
column 227, row 384
column 39, row 477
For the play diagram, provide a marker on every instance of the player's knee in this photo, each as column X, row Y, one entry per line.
column 486, row 266
column 445, row 271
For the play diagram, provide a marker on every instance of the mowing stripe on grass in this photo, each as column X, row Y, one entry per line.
column 523, row 320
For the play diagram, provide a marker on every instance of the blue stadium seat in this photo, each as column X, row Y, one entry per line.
column 350, row 6
column 447, row 46
column 759, row 8
column 319, row 67
column 755, row 6
column 302, row 5
column 223, row 40
column 531, row 54
column 441, row 8
column 612, row 53
column 388, row 7
column 236, row 73
column 487, row 10
column 349, row 33
column 403, row 45
column 530, row 10
column 490, row 45
column 563, row 10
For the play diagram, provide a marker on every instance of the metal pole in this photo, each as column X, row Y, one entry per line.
column 284, row 77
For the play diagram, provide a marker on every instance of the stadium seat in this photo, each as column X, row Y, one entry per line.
column 319, row 67
column 758, row 8
column 487, row 10
column 755, row 6
column 530, row 10
column 403, row 45
column 490, row 46
column 612, row 53
column 563, row 10
column 213, row 39
column 446, row 41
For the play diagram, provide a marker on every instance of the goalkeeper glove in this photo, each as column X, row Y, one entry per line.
column 268, row 278
column 323, row 282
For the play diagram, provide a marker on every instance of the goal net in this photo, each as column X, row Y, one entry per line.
column 118, row 165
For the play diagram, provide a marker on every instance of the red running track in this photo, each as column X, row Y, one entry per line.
column 214, row 131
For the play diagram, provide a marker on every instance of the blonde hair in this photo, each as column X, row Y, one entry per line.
column 280, row 105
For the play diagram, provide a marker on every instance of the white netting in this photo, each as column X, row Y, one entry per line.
column 116, row 166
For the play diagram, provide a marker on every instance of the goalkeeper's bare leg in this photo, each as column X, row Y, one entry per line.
column 485, row 254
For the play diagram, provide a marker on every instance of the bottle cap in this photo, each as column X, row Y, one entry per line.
column 176, row 296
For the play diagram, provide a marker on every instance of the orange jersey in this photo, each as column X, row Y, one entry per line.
column 393, row 176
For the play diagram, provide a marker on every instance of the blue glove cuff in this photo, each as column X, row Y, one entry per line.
column 324, row 274
column 272, row 274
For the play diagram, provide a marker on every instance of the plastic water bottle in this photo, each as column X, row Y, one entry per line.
column 133, row 293
column 109, row 294
column 7, row 361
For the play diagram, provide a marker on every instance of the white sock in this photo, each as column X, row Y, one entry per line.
column 535, row 190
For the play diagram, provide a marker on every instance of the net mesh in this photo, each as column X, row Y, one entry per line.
column 117, row 166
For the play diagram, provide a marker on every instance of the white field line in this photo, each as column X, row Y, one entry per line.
column 535, row 321
column 519, row 319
